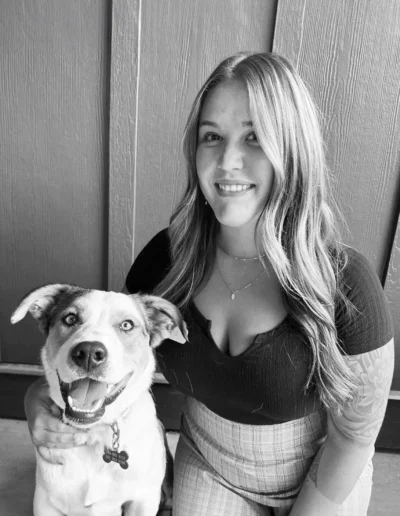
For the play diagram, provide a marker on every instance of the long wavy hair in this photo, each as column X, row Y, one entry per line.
column 297, row 230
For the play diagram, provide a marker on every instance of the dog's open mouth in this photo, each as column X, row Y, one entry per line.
column 86, row 399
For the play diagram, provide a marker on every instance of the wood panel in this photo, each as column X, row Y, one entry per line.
column 349, row 55
column 124, row 77
column 53, row 81
column 180, row 45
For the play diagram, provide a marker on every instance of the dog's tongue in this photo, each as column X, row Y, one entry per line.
column 87, row 393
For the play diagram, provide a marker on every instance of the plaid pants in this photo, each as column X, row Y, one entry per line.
column 227, row 468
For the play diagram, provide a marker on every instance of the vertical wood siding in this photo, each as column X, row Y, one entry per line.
column 124, row 78
column 53, row 82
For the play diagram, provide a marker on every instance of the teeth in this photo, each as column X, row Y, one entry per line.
column 233, row 188
column 84, row 411
column 109, row 388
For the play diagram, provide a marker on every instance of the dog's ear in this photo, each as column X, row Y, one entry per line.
column 39, row 301
column 165, row 320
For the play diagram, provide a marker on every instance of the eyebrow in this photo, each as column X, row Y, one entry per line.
column 248, row 123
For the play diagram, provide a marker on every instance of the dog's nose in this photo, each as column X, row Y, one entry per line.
column 89, row 355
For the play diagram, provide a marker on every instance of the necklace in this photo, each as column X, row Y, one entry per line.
column 234, row 292
column 241, row 259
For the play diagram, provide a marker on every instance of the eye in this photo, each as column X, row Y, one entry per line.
column 252, row 138
column 127, row 325
column 70, row 319
column 210, row 138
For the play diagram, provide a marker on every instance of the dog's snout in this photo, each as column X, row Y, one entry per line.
column 89, row 355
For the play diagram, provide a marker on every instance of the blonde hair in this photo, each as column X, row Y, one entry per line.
column 298, row 229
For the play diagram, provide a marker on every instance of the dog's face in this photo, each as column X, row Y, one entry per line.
column 97, row 344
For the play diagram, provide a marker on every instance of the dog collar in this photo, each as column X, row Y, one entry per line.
column 114, row 455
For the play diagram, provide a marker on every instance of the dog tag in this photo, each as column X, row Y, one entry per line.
column 121, row 457
column 115, row 456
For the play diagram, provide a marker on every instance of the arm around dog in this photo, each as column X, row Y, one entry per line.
column 44, row 424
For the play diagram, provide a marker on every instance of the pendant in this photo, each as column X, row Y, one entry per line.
column 120, row 458
column 233, row 296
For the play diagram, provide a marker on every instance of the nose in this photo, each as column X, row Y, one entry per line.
column 231, row 157
column 89, row 355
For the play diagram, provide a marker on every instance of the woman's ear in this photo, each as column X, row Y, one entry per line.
column 164, row 319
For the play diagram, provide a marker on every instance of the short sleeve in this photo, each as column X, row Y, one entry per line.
column 368, row 326
column 151, row 265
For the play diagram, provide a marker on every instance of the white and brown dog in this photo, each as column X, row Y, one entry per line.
column 99, row 363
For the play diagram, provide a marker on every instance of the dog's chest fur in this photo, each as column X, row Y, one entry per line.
column 84, row 480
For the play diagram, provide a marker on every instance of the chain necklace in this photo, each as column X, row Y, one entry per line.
column 234, row 292
column 241, row 259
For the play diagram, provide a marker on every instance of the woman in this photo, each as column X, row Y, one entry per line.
column 290, row 354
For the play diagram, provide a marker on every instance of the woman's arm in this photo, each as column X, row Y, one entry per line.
column 351, row 437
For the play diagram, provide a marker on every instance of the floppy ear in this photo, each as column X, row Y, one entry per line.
column 165, row 320
column 39, row 302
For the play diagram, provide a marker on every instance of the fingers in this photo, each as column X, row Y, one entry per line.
column 58, row 435
column 54, row 424
column 45, row 426
column 55, row 410
column 59, row 440
column 49, row 431
column 49, row 455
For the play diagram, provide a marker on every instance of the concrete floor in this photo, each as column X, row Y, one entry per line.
column 17, row 471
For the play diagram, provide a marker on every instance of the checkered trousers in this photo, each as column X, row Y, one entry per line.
column 227, row 468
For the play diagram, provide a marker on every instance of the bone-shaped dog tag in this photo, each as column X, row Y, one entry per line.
column 121, row 457
column 115, row 456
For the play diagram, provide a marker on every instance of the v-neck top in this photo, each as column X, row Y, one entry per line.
column 264, row 385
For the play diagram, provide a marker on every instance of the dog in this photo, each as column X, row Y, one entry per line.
column 99, row 363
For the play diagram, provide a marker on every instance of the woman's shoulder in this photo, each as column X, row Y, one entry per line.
column 151, row 265
column 358, row 266
column 367, row 325
column 360, row 280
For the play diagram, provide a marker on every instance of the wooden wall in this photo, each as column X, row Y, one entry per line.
column 53, row 125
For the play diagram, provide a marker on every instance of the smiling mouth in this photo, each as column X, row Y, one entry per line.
column 86, row 399
column 238, row 188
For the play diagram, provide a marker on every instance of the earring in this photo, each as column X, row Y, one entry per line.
column 205, row 203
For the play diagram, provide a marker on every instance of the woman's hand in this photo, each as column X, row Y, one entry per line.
column 46, row 428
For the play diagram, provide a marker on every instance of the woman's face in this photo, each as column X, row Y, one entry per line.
column 235, row 175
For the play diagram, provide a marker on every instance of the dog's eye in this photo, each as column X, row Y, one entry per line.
column 127, row 325
column 70, row 319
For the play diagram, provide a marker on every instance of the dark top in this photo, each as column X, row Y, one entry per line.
column 263, row 385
